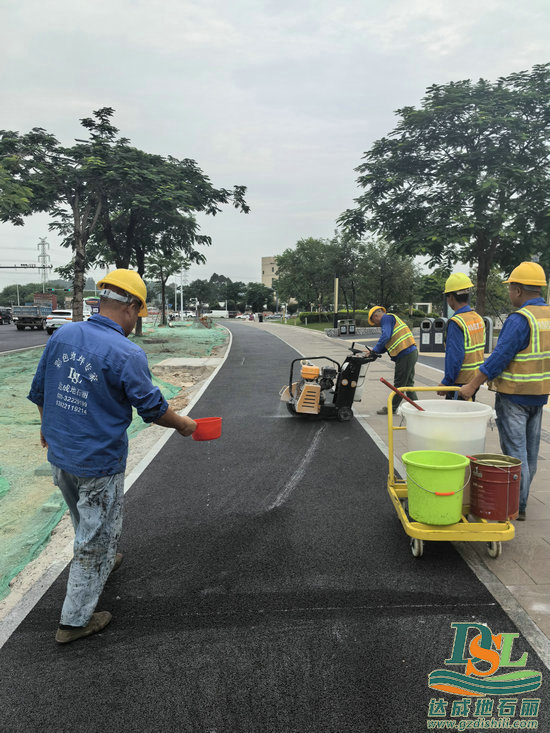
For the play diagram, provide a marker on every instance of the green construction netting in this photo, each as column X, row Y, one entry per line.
column 30, row 506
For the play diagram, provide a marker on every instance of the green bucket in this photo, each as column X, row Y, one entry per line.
column 435, row 483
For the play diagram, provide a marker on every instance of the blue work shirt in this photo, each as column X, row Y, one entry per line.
column 514, row 337
column 89, row 377
column 387, row 325
column 454, row 349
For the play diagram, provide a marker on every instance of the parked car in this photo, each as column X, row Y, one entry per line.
column 60, row 318
column 274, row 317
column 241, row 317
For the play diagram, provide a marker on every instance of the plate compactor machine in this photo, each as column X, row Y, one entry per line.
column 327, row 390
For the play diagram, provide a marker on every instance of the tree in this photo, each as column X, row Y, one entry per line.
column 15, row 198
column 306, row 273
column 66, row 182
column 465, row 177
column 8, row 296
column 430, row 288
column 111, row 202
column 258, row 296
column 385, row 277
column 160, row 266
column 199, row 292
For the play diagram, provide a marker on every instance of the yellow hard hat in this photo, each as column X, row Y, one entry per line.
column 373, row 310
column 131, row 282
column 528, row 273
column 458, row 282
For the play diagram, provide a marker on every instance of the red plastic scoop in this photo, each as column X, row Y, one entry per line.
column 401, row 394
column 208, row 428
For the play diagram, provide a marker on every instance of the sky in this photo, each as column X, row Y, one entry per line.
column 281, row 97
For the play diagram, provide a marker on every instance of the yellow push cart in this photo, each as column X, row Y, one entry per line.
column 478, row 530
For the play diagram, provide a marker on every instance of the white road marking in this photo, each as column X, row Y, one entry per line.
column 300, row 471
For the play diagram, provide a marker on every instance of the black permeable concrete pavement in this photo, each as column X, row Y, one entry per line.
column 267, row 586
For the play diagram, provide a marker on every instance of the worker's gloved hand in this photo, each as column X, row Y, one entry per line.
column 441, row 393
column 372, row 354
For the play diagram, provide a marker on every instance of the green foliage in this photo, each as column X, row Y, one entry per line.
column 360, row 317
column 387, row 277
column 307, row 272
column 258, row 297
column 465, row 178
column 15, row 198
column 111, row 203
column 160, row 266
column 368, row 272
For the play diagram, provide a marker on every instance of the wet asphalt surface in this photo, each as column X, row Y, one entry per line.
column 267, row 586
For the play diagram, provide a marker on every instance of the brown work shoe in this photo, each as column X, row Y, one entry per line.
column 384, row 411
column 98, row 622
column 119, row 557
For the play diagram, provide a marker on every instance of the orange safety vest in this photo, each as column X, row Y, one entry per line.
column 401, row 337
column 529, row 370
column 473, row 328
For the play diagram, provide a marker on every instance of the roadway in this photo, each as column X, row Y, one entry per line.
column 12, row 340
column 267, row 587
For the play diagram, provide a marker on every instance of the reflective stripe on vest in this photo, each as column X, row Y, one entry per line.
column 401, row 337
column 529, row 370
column 473, row 329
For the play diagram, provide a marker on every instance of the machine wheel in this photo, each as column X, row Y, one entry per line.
column 344, row 414
column 494, row 549
column 417, row 547
column 49, row 331
column 290, row 408
column 20, row 328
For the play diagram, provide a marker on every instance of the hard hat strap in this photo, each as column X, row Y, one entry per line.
column 111, row 295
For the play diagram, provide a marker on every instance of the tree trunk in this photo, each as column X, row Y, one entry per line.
column 140, row 258
column 81, row 233
column 163, row 296
column 482, row 276
column 78, row 279
column 79, row 246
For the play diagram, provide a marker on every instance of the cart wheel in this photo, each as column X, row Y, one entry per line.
column 494, row 549
column 417, row 547
column 344, row 414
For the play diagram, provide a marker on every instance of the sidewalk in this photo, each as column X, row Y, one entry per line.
column 524, row 566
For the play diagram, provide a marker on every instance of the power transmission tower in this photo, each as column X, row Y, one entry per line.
column 43, row 261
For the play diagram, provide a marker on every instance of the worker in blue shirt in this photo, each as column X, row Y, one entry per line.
column 398, row 341
column 465, row 338
column 88, row 379
column 519, row 371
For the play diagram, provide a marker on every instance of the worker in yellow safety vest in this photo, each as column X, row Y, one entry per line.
column 398, row 341
column 519, row 371
column 465, row 339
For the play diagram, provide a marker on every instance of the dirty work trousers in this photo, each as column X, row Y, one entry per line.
column 519, row 433
column 403, row 375
column 95, row 504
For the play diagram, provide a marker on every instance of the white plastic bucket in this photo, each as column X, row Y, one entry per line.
column 449, row 425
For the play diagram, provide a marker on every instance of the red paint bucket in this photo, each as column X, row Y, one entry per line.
column 494, row 486
column 208, row 428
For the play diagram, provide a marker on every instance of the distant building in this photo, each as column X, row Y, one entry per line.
column 269, row 271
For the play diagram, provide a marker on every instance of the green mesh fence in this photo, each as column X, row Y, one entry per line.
column 30, row 505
